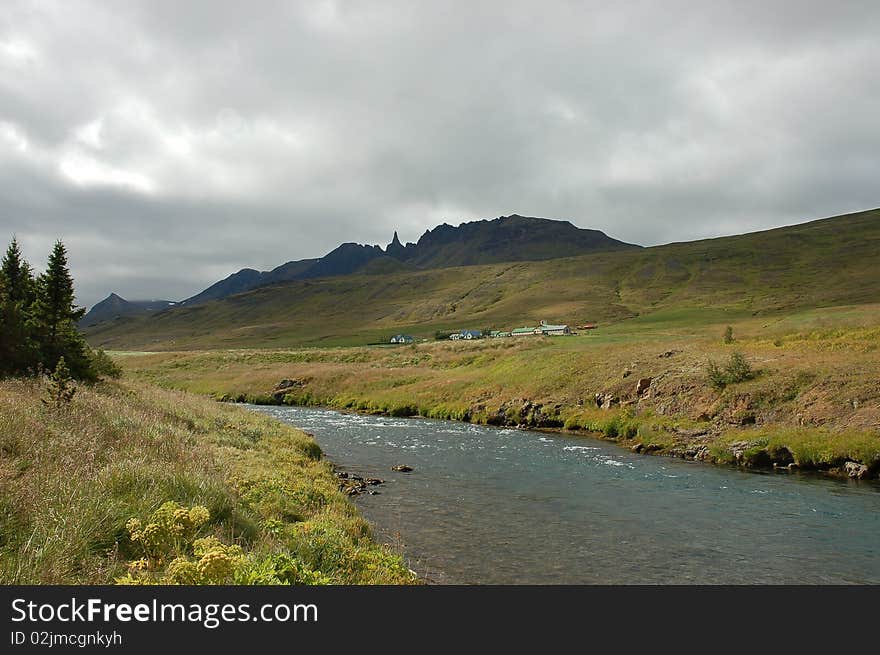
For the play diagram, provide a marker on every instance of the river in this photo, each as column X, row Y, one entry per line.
column 501, row 506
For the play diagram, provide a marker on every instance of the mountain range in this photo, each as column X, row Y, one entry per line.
column 822, row 263
column 507, row 238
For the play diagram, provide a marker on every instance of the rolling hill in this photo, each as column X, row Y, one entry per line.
column 821, row 263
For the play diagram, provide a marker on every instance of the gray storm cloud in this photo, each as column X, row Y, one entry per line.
column 170, row 144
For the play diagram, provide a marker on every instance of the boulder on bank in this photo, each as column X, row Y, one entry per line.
column 856, row 470
column 284, row 386
column 643, row 385
column 523, row 413
column 750, row 454
column 606, row 400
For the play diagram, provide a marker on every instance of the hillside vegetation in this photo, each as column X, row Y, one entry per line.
column 217, row 494
column 825, row 263
column 808, row 396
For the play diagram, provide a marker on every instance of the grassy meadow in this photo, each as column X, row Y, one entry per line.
column 812, row 399
column 219, row 494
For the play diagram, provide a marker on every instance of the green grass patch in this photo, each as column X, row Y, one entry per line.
column 73, row 478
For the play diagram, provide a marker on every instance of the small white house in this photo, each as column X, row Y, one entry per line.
column 402, row 338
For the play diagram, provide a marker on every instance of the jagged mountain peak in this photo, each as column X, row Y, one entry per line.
column 506, row 238
column 395, row 248
column 487, row 241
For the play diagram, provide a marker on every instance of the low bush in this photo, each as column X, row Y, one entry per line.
column 736, row 369
column 104, row 366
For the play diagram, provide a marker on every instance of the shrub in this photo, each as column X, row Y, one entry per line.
column 277, row 569
column 104, row 366
column 60, row 389
column 728, row 335
column 716, row 375
column 737, row 369
column 169, row 531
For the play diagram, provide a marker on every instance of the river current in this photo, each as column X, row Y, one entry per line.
column 487, row 505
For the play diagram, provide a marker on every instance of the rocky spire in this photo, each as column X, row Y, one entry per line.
column 395, row 248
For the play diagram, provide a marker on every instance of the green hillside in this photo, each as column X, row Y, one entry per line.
column 822, row 263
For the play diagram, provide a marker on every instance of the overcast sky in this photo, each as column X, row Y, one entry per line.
column 172, row 143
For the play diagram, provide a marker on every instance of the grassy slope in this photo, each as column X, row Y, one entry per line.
column 816, row 392
column 70, row 479
column 819, row 264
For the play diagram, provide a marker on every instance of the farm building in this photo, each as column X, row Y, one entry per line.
column 524, row 331
column 466, row 334
column 402, row 338
column 497, row 334
column 554, row 330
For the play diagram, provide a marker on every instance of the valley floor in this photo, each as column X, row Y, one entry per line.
column 218, row 494
column 813, row 401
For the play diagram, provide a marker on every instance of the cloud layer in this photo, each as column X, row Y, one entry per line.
column 170, row 144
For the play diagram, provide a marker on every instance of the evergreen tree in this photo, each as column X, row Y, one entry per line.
column 55, row 315
column 17, row 275
column 17, row 351
column 60, row 390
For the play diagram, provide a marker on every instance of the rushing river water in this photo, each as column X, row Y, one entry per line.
column 487, row 505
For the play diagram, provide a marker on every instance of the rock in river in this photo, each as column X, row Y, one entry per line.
column 403, row 468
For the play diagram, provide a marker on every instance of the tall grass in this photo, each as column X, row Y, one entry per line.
column 71, row 477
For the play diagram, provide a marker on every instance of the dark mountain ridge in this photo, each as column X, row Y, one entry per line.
column 249, row 278
column 504, row 239
column 507, row 238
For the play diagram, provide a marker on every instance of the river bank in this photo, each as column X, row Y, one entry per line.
column 78, row 480
column 688, row 445
column 806, row 397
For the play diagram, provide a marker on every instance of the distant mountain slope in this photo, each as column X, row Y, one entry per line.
column 249, row 278
column 504, row 239
column 114, row 306
column 823, row 263
column 344, row 260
